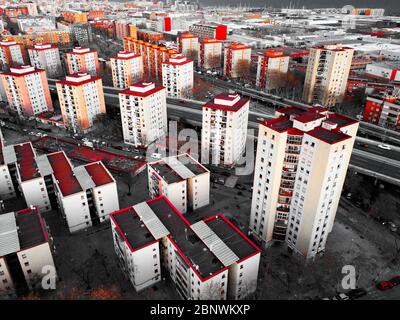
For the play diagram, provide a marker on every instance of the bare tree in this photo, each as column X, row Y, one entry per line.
column 242, row 70
column 214, row 62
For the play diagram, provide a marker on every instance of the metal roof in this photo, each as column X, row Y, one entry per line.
column 150, row 219
column 9, row 241
column 9, row 155
column 83, row 177
column 179, row 168
column 214, row 243
column 43, row 165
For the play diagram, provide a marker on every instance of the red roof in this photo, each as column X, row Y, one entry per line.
column 308, row 117
column 76, row 75
column 26, row 161
column 15, row 74
column 328, row 136
column 62, row 171
column 224, row 96
column 141, row 84
column 99, row 174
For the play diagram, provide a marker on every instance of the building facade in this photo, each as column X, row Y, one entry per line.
column 224, row 130
column 301, row 164
column 178, row 76
column 81, row 100
column 27, row 90
column 181, row 179
column 327, row 73
column 272, row 67
column 25, row 250
column 237, row 59
column 126, row 68
column 383, row 110
column 208, row 260
column 143, row 113
column 47, row 57
column 219, row 32
column 82, row 60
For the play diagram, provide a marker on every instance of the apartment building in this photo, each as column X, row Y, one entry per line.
column 272, row 67
column 143, row 113
column 224, row 129
column 181, row 179
column 386, row 71
column 178, row 76
column 85, row 195
column 301, row 163
column 383, row 110
column 11, row 53
column 126, row 68
column 25, row 248
column 189, row 45
column 149, row 36
column 82, row 60
column 75, row 16
column 81, row 100
column 27, row 90
column 46, row 57
column 7, row 189
column 237, row 60
column 211, row 259
column 210, row 54
column 153, row 56
column 327, row 73
column 218, row 32
column 82, row 33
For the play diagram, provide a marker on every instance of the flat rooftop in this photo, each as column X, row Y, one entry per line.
column 26, row 161
column 132, row 228
column 112, row 160
column 177, row 169
column 340, row 120
column 31, row 229
column 232, row 236
column 329, row 136
column 228, row 98
column 194, row 250
column 62, row 171
column 166, row 172
column 99, row 174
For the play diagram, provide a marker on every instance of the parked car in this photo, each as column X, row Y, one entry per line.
column 385, row 285
column 384, row 146
column 357, row 293
column 395, row 280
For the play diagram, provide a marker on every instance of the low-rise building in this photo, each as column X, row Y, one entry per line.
column 272, row 68
column 210, row 54
column 25, row 252
column 208, row 260
column 183, row 180
column 219, row 32
column 11, row 54
column 237, row 61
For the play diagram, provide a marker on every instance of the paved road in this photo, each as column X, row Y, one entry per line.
column 191, row 112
